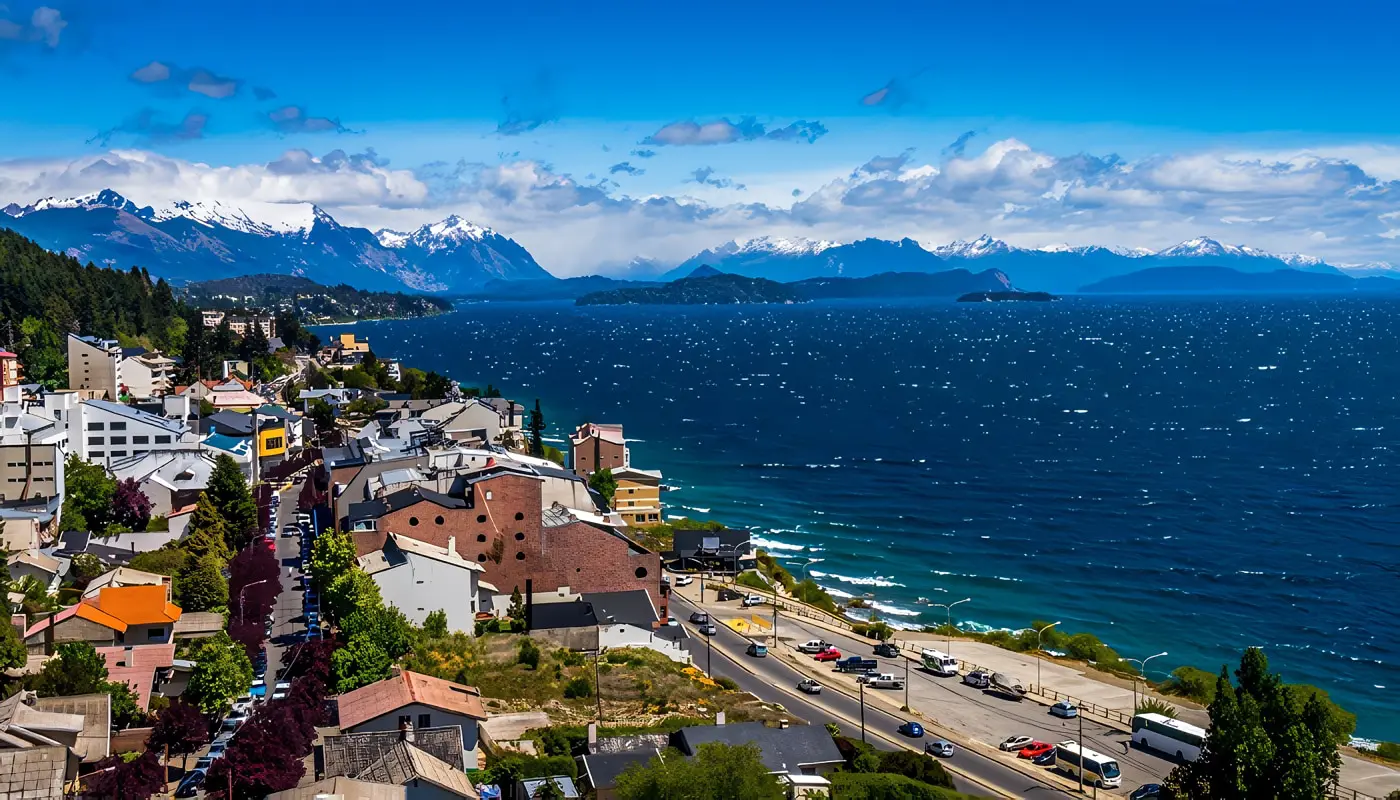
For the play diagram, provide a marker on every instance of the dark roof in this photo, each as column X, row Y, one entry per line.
column 352, row 753
column 630, row 742
column 688, row 542
column 558, row 472
column 231, row 422
column 73, row 542
column 108, row 554
column 132, row 352
column 783, row 749
column 577, row 614
column 631, row 608
column 391, row 396
column 602, row 769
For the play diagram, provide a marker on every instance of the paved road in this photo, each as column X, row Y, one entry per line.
column 286, row 615
column 773, row 680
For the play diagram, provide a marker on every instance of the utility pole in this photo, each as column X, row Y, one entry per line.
column 862, row 712
column 597, row 684
column 906, row 679
column 709, row 670
column 1080, row 765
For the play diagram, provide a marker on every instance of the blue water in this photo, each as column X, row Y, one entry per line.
column 1188, row 475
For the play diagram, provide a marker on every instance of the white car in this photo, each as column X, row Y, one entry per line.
column 291, row 530
column 672, row 621
column 1012, row 744
column 304, row 519
column 684, row 580
column 813, row 646
column 754, row 600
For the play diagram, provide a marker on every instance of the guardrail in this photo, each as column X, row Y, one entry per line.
column 1343, row 793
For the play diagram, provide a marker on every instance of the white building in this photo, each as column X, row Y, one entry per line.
column 421, row 578
column 103, row 432
column 94, row 364
column 172, row 479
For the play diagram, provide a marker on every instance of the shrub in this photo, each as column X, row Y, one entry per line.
column 917, row 766
column 577, row 688
column 1192, row 683
column 1390, row 751
column 727, row 683
column 1152, row 705
column 569, row 658
column 1340, row 722
column 880, row 786
column 873, row 630
column 529, row 654
column 751, row 580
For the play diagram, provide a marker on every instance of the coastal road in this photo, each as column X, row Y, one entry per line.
column 773, row 680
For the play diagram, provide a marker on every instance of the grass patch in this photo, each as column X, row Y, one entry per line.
column 661, row 536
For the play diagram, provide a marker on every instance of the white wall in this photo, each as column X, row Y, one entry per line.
column 420, row 586
column 615, row 636
column 97, row 445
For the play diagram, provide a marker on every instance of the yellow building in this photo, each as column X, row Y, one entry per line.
column 349, row 344
column 638, row 495
column 272, row 441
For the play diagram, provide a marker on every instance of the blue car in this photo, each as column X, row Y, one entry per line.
column 191, row 784
column 1147, row 791
column 912, row 729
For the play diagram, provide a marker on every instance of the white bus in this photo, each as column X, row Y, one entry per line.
column 1099, row 769
column 940, row 663
column 1167, row 735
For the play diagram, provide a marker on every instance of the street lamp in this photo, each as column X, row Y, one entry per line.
column 807, row 564
column 244, row 589
column 949, row 608
column 1142, row 671
column 1038, row 634
column 735, row 547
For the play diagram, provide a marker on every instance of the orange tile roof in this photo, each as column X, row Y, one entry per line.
column 137, row 605
column 406, row 688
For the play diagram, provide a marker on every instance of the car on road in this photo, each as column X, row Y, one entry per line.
column 1035, row 750
column 829, row 654
column 754, row 600
column 887, row 650
column 1147, row 791
column 809, row 686
column 699, row 618
column 230, row 725
column 977, row 679
column 204, row 762
column 813, row 646
column 1013, row 744
column 258, row 688
column 291, row 530
column 304, row 519
column 270, row 544
column 939, row 747
column 708, row 630
column 885, row 681
column 1046, row 759
column 757, row 650
column 191, row 784
column 1064, row 709
column 912, row 729
column 684, row 580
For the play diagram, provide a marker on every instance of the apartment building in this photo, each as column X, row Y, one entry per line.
column 638, row 495
column 113, row 371
column 596, row 446
column 102, row 432
column 32, row 449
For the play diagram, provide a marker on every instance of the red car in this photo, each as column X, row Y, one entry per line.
column 1035, row 750
column 271, row 544
column 829, row 654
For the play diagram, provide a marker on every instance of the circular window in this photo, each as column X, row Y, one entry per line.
column 480, row 556
column 578, row 569
column 480, row 517
column 519, row 536
column 641, row 572
column 519, row 556
column 413, row 521
column 438, row 520
column 520, row 515
column 481, row 537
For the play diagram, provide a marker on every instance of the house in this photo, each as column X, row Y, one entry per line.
column 23, row 725
column 512, row 413
column 103, row 432
column 593, row 447
column 126, row 576
column 793, row 750
column 113, row 371
column 32, row 450
column 612, row 620
column 342, row 788
column 350, row 754
column 23, row 522
column 417, row 700
column 638, row 495
column 599, row 771
column 726, row 551
column 422, row 774
column 94, row 741
column 118, row 616
column 10, row 372
column 476, row 421
column 44, row 568
column 36, row 773
column 172, row 479
column 143, row 667
column 420, row 578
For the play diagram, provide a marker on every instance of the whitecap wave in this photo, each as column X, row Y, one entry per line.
column 876, row 581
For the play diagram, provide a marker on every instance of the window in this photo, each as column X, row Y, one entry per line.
column 162, row 440
column 641, row 572
column 404, row 721
column 519, row 556
column 481, row 537
column 413, row 521
column 641, row 518
column 480, row 556
column 520, row 515
column 519, row 536
column 274, row 443
column 96, row 440
column 140, row 440
column 480, row 517
column 95, row 454
column 425, row 720
column 653, row 518
column 94, row 426
column 155, row 633
column 488, row 494
column 118, row 454
column 118, row 440
column 117, row 426
column 438, row 519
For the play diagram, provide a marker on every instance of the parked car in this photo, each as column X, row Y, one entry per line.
column 672, row 621
column 809, row 686
column 304, row 519
column 684, row 580
column 885, row 680
column 754, row 600
column 1046, row 759
column 204, row 762
column 813, row 646
column 708, row 630
column 887, row 650
column 1035, row 750
column 230, row 724
column 699, row 618
column 757, row 650
column 912, row 729
column 1012, row 744
column 829, row 654
column 1064, row 709
column 291, row 530
column 1147, row 791
column 977, row 679
column 939, row 747
column 191, row 784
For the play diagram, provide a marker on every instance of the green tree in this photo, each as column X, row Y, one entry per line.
column 228, row 491
column 435, row 625
column 87, row 495
column 718, row 772
column 77, row 668
column 206, row 534
column 603, row 482
column 321, row 415
column 332, row 555
column 200, row 585
column 386, row 627
column 529, row 654
column 516, row 609
column 165, row 561
column 221, row 672
column 12, row 650
column 537, row 431
column 85, row 567
column 549, row 790
column 352, row 591
column 359, row 663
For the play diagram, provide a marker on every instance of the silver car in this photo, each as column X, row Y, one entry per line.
column 939, row 747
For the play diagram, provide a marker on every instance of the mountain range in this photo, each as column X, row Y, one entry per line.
column 185, row 241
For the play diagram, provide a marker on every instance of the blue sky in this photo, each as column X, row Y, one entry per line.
column 571, row 125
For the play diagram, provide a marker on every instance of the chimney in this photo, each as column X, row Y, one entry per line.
column 592, row 735
column 719, row 718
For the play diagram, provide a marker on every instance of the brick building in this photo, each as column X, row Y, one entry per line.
column 595, row 446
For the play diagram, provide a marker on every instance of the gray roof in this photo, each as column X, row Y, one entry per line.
column 783, row 749
column 33, row 773
column 630, row 608
column 564, row 782
column 342, row 788
column 688, row 542
column 232, row 420
column 353, row 753
column 172, row 425
column 576, row 614
column 631, row 742
column 601, row 769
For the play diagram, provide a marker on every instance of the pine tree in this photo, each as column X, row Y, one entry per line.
column 537, row 431
column 228, row 491
column 207, row 535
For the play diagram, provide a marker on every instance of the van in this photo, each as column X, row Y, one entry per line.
column 699, row 618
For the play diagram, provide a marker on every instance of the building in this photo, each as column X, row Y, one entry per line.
column 420, row 578
column 410, row 700
column 427, row 763
column 527, row 787
column 126, row 576
column 113, row 371
column 726, row 551
column 103, row 432
column 143, row 667
column 10, row 372
column 593, row 447
column 32, row 451
column 474, row 421
column 24, row 522
column 42, row 567
column 342, row 788
column 118, row 616
column 240, row 325
column 147, row 374
column 611, row 620
column 172, row 479
column 638, row 495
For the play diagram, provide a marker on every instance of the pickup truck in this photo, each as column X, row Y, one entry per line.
column 754, row 600
column 813, row 647
column 885, row 680
column 856, row 664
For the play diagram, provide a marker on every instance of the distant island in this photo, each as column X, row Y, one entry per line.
column 1203, row 280
column 1007, row 297
column 717, row 289
column 314, row 302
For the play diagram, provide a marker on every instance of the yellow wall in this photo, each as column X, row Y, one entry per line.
column 272, row 442
column 631, row 497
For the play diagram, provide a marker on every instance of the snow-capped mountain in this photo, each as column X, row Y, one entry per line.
column 1061, row 267
column 182, row 240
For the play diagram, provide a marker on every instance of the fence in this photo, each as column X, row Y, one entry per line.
column 1343, row 793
